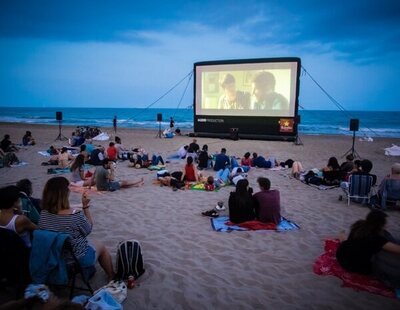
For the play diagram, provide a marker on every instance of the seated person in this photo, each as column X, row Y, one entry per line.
column 30, row 205
column 205, row 161
column 221, row 160
column 156, row 160
column 78, row 173
column 332, row 175
column 267, row 202
column 122, row 152
column 97, row 157
column 112, row 153
column 27, row 139
column 241, row 203
column 333, row 165
column 189, row 173
column 348, row 165
column 209, row 186
column 370, row 249
column 365, row 169
column 83, row 152
column 8, row 159
column 182, row 152
column 7, row 146
column 89, row 146
column 389, row 189
column 261, row 162
column 64, row 158
column 193, row 149
column 11, row 214
column 103, row 180
column 246, row 160
column 58, row 216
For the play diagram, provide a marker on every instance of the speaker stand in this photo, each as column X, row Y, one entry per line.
column 60, row 136
column 297, row 141
column 159, row 133
column 352, row 150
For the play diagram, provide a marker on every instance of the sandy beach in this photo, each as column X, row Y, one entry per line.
column 190, row 266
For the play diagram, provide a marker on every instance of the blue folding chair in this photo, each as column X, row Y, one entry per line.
column 359, row 188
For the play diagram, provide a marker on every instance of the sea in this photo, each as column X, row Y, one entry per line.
column 312, row 122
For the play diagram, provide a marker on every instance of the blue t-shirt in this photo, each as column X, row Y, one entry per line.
column 221, row 161
column 89, row 148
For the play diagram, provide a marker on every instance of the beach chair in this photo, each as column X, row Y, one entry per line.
column 390, row 193
column 65, row 265
column 359, row 188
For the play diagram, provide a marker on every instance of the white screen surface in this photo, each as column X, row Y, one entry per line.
column 246, row 89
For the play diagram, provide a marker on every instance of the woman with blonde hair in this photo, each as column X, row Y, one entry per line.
column 58, row 216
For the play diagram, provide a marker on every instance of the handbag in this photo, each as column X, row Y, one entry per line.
column 117, row 289
column 103, row 300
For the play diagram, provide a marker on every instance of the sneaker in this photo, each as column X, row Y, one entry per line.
column 220, row 206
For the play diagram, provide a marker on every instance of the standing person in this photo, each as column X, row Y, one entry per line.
column 58, row 216
column 115, row 124
column 370, row 249
column 103, row 175
column 171, row 123
column 241, row 203
column 11, row 214
column 268, row 208
column 221, row 160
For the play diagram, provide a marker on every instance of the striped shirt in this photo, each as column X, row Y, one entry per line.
column 76, row 225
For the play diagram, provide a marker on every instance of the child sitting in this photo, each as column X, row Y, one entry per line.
column 209, row 186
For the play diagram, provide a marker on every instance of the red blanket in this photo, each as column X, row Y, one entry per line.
column 255, row 225
column 326, row 264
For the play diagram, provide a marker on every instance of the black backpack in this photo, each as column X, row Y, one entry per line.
column 129, row 260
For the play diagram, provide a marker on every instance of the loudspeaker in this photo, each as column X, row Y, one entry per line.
column 58, row 116
column 159, row 117
column 354, row 124
column 234, row 133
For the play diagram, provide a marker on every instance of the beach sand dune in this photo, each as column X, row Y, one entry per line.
column 190, row 266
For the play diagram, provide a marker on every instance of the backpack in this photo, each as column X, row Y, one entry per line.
column 129, row 260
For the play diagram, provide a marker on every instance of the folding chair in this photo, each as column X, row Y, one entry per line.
column 359, row 188
column 64, row 265
column 390, row 193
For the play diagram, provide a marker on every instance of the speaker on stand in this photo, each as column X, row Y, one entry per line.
column 59, row 118
column 234, row 133
column 353, row 126
column 159, row 120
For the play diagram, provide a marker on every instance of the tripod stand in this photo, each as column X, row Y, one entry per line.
column 352, row 150
column 60, row 136
column 159, row 133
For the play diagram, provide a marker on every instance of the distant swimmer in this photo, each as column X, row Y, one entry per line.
column 264, row 96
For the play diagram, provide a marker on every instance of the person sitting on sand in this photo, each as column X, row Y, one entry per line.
column 333, row 165
column 97, row 157
column 246, row 160
column 122, row 151
column 241, row 203
column 57, row 215
column 7, row 146
column 348, row 165
column 83, row 152
column 112, row 153
column 11, row 214
column 267, row 202
column 205, row 160
column 221, row 160
column 27, row 139
column 103, row 175
column 193, row 149
column 78, row 173
column 190, row 173
column 8, row 159
column 64, row 158
column 370, row 249
column 209, row 185
column 26, row 191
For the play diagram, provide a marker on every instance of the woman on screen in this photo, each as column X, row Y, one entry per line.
column 232, row 98
column 264, row 96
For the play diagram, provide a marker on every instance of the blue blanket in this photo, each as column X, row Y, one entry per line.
column 218, row 224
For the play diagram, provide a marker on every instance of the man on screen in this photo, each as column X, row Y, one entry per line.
column 264, row 95
column 232, row 98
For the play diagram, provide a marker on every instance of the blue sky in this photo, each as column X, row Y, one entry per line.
column 128, row 53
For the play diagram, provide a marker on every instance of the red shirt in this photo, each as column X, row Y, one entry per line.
column 112, row 153
column 189, row 173
column 246, row 162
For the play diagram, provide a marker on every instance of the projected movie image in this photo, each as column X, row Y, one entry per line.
column 261, row 89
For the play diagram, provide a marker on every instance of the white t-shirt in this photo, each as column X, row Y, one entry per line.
column 182, row 152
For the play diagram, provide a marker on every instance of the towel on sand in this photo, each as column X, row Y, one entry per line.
column 64, row 170
column 222, row 223
column 326, row 264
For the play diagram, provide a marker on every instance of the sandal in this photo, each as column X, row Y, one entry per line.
column 211, row 213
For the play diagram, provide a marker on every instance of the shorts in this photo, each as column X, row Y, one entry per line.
column 90, row 257
column 113, row 186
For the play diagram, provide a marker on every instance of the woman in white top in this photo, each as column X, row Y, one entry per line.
column 10, row 216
